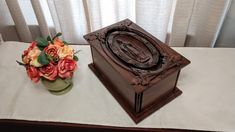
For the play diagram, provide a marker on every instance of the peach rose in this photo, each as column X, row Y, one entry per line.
column 32, row 45
column 33, row 73
column 66, row 67
column 49, row 72
column 66, row 51
column 25, row 57
column 33, row 56
column 51, row 50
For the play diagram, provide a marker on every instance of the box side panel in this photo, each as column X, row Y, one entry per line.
column 120, row 85
column 157, row 91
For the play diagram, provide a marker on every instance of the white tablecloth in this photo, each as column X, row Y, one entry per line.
column 207, row 102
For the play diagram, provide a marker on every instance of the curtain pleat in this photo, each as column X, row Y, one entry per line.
column 100, row 14
column 181, row 20
column 105, row 12
column 94, row 14
column 20, row 23
column 205, row 22
column 125, row 9
column 153, row 15
column 40, row 18
column 87, row 15
column 176, row 22
column 54, row 15
column 71, row 18
column 7, row 25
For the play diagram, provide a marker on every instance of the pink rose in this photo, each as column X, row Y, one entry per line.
column 33, row 73
column 66, row 67
column 49, row 72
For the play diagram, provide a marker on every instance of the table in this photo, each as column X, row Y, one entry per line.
column 207, row 102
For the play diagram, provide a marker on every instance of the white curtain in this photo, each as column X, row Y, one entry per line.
column 175, row 22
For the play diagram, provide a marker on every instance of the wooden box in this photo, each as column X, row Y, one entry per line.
column 139, row 70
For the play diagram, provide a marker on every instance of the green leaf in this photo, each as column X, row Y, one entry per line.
column 41, row 48
column 75, row 58
column 57, row 35
column 42, row 58
column 49, row 39
column 65, row 43
column 41, row 42
column 50, row 58
column 20, row 63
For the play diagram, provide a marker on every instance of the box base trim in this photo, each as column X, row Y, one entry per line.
column 136, row 117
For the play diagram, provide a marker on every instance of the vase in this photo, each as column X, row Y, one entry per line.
column 59, row 86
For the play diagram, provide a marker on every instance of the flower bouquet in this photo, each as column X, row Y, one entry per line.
column 51, row 60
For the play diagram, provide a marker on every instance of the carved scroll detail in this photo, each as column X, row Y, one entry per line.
column 135, row 51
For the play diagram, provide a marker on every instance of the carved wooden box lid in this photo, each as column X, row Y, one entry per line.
column 138, row 56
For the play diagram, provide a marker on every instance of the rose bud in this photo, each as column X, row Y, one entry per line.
column 33, row 73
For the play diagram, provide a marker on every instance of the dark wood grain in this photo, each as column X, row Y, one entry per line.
column 10, row 125
column 136, row 116
column 139, row 70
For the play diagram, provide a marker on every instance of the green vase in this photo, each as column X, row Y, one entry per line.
column 58, row 86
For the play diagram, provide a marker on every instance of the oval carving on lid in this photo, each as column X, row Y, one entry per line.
column 132, row 49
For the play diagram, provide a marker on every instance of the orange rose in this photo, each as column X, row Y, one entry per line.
column 66, row 67
column 33, row 73
column 51, row 50
column 58, row 42
column 66, row 51
column 49, row 72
